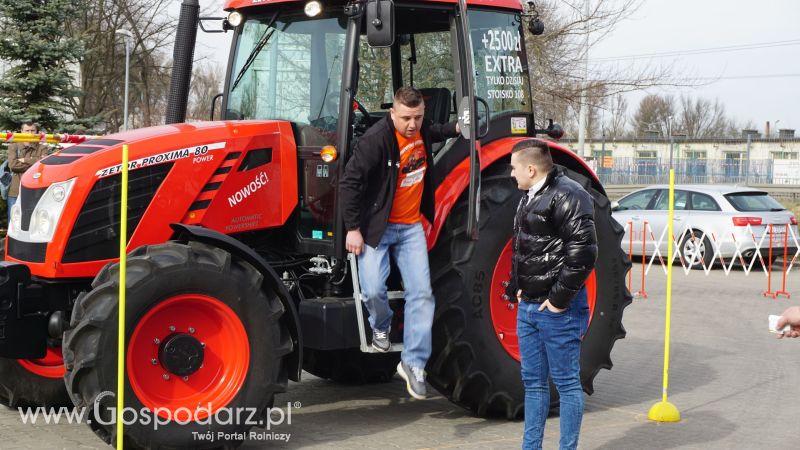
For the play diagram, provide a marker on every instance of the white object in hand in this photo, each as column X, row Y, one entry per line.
column 773, row 325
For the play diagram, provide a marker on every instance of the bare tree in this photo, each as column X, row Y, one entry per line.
column 617, row 123
column 207, row 81
column 655, row 113
column 102, row 69
column 700, row 118
column 556, row 60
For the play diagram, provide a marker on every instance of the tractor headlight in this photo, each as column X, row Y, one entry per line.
column 42, row 223
column 16, row 220
column 235, row 19
column 44, row 219
column 313, row 8
column 59, row 193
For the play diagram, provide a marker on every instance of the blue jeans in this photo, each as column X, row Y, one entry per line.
column 11, row 201
column 550, row 344
column 409, row 248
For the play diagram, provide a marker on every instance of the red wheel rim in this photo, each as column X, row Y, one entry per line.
column 226, row 357
column 51, row 366
column 504, row 313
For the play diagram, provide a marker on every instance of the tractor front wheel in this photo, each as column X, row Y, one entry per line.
column 33, row 382
column 204, row 343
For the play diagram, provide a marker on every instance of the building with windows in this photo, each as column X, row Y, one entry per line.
column 749, row 159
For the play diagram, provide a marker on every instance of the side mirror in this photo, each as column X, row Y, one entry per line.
column 615, row 206
column 380, row 23
column 536, row 26
column 214, row 105
column 554, row 131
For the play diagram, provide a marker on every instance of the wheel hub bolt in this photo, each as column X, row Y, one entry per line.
column 154, row 361
column 510, row 306
column 165, row 376
column 156, row 341
column 203, row 344
column 191, row 330
column 185, row 378
column 172, row 328
column 501, row 336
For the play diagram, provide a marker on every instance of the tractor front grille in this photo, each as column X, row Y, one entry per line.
column 95, row 235
column 34, row 252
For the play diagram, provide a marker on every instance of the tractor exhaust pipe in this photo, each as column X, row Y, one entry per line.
column 182, row 60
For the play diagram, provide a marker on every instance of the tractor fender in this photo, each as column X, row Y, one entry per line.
column 182, row 232
column 456, row 181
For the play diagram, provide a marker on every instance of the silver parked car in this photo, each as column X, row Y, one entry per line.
column 726, row 221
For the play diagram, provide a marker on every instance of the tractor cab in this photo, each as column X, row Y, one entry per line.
column 331, row 69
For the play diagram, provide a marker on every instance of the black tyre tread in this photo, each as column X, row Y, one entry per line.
column 20, row 388
column 455, row 368
column 95, row 312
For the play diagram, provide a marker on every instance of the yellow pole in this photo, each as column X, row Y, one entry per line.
column 123, row 251
column 665, row 411
column 48, row 138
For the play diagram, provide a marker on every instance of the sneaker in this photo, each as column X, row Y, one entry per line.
column 380, row 340
column 415, row 380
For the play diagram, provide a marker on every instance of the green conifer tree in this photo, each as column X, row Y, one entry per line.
column 40, row 62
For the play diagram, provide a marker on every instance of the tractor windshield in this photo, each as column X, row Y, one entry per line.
column 500, row 61
column 288, row 67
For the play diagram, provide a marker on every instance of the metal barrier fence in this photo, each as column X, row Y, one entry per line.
column 750, row 250
column 620, row 170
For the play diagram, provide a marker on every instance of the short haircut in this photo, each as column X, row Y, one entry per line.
column 408, row 96
column 30, row 123
column 535, row 152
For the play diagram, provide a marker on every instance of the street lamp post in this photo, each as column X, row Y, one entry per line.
column 128, row 44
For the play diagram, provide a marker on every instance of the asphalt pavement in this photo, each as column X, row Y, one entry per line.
column 735, row 385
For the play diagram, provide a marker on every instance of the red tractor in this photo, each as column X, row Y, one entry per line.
column 237, row 278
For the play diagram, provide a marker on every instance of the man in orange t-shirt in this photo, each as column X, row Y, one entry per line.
column 386, row 189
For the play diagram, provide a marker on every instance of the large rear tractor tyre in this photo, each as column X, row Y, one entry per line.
column 33, row 382
column 475, row 359
column 351, row 366
column 204, row 342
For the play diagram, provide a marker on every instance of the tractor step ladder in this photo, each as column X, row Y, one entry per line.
column 359, row 304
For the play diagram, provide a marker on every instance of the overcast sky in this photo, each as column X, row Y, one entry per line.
column 746, row 53
column 758, row 84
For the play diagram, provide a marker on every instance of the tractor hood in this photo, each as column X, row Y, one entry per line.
column 101, row 157
column 232, row 176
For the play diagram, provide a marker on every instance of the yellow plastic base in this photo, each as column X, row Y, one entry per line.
column 664, row 412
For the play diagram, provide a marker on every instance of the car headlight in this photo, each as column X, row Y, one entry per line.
column 48, row 211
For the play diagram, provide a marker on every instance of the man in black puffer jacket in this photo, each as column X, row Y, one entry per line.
column 554, row 251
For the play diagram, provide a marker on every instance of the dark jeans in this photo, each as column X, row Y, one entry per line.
column 550, row 345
